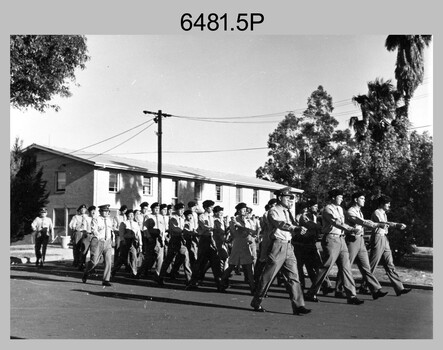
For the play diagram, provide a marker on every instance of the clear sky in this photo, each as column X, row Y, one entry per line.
column 227, row 77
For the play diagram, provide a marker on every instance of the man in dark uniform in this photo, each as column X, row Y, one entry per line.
column 101, row 244
column 86, row 240
column 281, row 255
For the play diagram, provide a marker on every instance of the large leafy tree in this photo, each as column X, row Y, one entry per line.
column 409, row 69
column 28, row 191
column 302, row 148
column 42, row 66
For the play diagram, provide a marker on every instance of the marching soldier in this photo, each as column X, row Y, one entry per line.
column 380, row 249
column 357, row 247
column 177, row 244
column 101, row 244
column 156, row 241
column 334, row 226
column 86, row 240
column 43, row 229
column 131, row 233
column 243, row 234
column 79, row 226
column 221, row 232
column 281, row 255
column 207, row 250
column 119, row 241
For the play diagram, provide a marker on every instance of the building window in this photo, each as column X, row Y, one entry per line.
column 238, row 194
column 254, row 196
column 61, row 181
column 198, row 189
column 218, row 193
column 147, row 186
column 175, row 189
column 59, row 217
column 113, row 182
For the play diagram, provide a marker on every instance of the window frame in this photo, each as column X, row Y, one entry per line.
column 219, row 195
column 198, row 190
column 149, row 193
column 238, row 194
column 57, row 178
column 255, row 196
column 117, row 182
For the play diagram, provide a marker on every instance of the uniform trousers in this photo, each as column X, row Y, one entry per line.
column 178, row 253
column 154, row 255
column 206, row 253
column 337, row 252
column 99, row 248
column 249, row 276
column 41, row 242
column 76, row 239
column 308, row 255
column 281, row 256
column 380, row 250
column 118, row 247
column 357, row 249
column 128, row 256
column 85, row 242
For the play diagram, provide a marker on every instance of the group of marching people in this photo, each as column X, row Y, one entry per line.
column 275, row 245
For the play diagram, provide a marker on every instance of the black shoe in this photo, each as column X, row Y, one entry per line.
column 327, row 290
column 339, row 295
column 84, row 278
column 301, row 310
column 257, row 308
column 378, row 294
column 355, row 301
column 404, row 291
column 364, row 291
column 106, row 284
column 311, row 297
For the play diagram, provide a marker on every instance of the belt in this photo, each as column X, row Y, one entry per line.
column 283, row 241
column 336, row 234
column 380, row 234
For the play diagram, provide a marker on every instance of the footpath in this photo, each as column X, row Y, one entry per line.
column 417, row 271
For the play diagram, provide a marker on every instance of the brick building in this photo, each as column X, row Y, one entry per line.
column 75, row 178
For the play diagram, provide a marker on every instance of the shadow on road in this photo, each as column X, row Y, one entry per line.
column 151, row 298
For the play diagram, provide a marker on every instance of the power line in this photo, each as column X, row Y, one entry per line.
column 121, row 143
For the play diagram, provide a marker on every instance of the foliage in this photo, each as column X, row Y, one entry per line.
column 409, row 69
column 42, row 66
column 28, row 191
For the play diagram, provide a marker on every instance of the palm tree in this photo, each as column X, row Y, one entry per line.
column 409, row 69
column 379, row 109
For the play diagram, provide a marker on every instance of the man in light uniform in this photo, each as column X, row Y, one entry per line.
column 101, row 244
column 333, row 242
column 281, row 255
column 357, row 247
column 380, row 249
column 79, row 226
column 43, row 230
column 86, row 240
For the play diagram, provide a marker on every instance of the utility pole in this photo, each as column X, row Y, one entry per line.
column 158, row 120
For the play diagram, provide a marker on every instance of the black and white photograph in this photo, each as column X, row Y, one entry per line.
column 221, row 178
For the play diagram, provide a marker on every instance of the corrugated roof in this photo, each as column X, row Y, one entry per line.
column 168, row 170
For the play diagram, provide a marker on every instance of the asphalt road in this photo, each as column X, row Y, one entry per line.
column 53, row 303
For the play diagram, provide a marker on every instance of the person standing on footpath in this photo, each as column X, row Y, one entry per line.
column 42, row 228
column 281, row 254
column 379, row 245
column 79, row 227
column 357, row 247
column 333, row 242
column 101, row 244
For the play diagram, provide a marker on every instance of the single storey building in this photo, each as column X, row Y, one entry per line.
column 75, row 178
